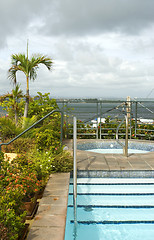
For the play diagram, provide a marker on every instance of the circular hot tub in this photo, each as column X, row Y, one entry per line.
column 112, row 147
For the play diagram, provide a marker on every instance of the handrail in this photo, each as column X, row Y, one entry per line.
column 125, row 146
column 53, row 111
column 75, row 175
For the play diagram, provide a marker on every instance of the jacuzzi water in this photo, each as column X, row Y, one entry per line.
column 115, row 148
column 111, row 210
column 116, row 151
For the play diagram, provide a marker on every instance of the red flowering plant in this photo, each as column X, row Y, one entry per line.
column 12, row 214
column 20, row 174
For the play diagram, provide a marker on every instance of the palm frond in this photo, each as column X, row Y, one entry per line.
column 33, row 74
column 41, row 59
column 27, row 66
column 18, row 64
column 18, row 59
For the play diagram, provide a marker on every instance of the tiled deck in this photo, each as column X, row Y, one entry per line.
column 49, row 223
column 96, row 161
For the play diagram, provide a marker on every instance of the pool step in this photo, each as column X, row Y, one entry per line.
column 113, row 203
column 112, row 208
column 113, row 194
column 97, row 214
column 112, row 222
column 113, row 200
column 113, row 188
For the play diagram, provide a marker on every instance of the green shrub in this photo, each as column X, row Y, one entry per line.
column 12, row 222
column 41, row 105
column 63, row 162
column 47, row 162
column 47, row 137
column 1, row 157
column 20, row 145
column 11, row 202
column 8, row 128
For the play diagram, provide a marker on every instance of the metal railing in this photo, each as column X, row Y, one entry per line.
column 75, row 174
column 61, row 134
column 95, row 109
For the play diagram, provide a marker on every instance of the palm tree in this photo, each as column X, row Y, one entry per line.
column 12, row 102
column 14, row 99
column 29, row 67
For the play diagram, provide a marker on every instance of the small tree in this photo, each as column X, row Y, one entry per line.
column 20, row 62
column 13, row 103
column 41, row 104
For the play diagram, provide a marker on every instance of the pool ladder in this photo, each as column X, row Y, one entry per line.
column 125, row 146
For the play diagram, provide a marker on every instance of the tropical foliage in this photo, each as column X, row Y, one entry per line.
column 13, row 103
column 21, row 62
column 20, row 180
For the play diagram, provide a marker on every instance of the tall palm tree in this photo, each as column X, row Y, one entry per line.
column 29, row 67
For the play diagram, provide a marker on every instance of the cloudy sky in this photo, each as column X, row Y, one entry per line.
column 101, row 48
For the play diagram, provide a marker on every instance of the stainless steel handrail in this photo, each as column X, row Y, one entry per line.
column 75, row 174
column 50, row 113
column 125, row 146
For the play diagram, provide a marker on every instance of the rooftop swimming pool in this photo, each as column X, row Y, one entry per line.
column 111, row 209
column 113, row 147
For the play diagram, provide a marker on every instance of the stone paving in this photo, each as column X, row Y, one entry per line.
column 49, row 223
column 97, row 161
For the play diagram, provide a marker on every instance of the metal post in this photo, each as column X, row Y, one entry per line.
column 135, row 118
column 126, row 139
column 130, row 122
column 97, row 122
column 67, row 120
column 100, row 120
column 127, row 121
column 75, row 169
column 61, row 130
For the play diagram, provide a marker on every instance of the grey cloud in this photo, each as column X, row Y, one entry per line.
column 80, row 17
column 74, row 18
column 91, row 56
column 16, row 16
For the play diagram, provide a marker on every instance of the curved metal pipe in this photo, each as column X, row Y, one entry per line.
column 125, row 146
column 53, row 111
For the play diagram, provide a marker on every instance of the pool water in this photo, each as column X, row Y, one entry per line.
column 111, row 210
column 116, row 151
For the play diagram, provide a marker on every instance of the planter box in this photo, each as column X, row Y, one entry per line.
column 40, row 193
column 31, row 208
column 24, row 232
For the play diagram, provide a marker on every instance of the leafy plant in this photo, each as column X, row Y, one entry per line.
column 41, row 105
column 13, row 103
column 63, row 162
column 47, row 137
column 11, row 221
column 1, row 156
column 8, row 129
column 47, row 162
column 20, row 145
column 11, row 202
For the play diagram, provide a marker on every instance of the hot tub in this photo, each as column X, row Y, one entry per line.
column 112, row 147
